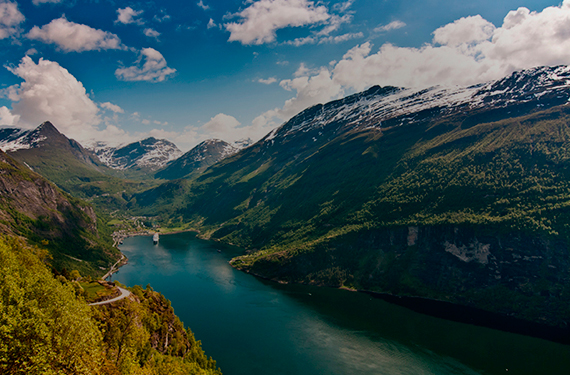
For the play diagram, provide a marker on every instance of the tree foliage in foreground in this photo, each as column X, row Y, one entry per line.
column 46, row 329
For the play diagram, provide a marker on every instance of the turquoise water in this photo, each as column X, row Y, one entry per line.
column 251, row 326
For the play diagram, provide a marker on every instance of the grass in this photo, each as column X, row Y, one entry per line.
column 95, row 290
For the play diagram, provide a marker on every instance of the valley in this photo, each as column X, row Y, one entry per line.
column 456, row 195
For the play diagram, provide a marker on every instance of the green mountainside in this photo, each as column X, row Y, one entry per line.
column 467, row 204
column 33, row 208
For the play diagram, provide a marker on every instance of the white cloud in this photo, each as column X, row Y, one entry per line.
column 7, row 117
column 334, row 23
column 267, row 81
column 303, row 70
column 50, row 93
column 10, row 19
column 343, row 7
column 202, row 5
column 129, row 15
column 319, row 88
column 468, row 51
column 464, row 30
column 151, row 33
column 38, row 2
column 260, row 21
column 74, row 37
column 154, row 68
column 341, row 38
column 394, row 25
column 302, row 41
column 111, row 107
column 229, row 129
column 221, row 126
column 211, row 24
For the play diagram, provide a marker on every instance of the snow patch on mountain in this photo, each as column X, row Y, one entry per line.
column 148, row 153
column 378, row 105
column 14, row 139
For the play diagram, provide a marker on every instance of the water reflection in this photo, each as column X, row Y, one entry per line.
column 251, row 326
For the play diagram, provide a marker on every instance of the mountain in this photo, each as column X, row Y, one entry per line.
column 33, row 208
column 69, row 165
column 147, row 155
column 199, row 158
column 456, row 194
column 26, row 142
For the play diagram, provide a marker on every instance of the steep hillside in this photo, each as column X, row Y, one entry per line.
column 455, row 194
column 33, row 208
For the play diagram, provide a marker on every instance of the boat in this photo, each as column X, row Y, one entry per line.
column 155, row 238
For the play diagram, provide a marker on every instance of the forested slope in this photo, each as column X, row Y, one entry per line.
column 47, row 329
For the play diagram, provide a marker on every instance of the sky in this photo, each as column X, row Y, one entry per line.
column 120, row 71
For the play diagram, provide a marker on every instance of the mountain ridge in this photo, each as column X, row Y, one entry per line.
column 199, row 158
column 148, row 154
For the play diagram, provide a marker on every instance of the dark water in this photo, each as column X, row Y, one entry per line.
column 251, row 326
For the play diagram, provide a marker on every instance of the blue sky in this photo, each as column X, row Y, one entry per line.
column 186, row 71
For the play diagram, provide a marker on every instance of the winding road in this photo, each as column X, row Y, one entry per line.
column 124, row 293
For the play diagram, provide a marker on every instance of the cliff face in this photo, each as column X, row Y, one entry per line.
column 34, row 208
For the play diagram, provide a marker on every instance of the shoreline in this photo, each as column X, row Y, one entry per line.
column 454, row 312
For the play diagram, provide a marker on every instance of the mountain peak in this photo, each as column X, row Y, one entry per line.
column 47, row 128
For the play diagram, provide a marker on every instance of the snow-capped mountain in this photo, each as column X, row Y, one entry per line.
column 385, row 107
column 201, row 157
column 23, row 143
column 150, row 154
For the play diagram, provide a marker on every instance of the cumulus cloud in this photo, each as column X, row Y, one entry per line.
column 468, row 51
column 464, row 30
column 319, row 88
column 154, row 68
column 10, row 19
column 50, row 92
column 394, row 25
column 129, row 15
column 111, row 107
column 7, row 117
column 151, row 33
column 259, row 22
column 74, row 37
column 227, row 128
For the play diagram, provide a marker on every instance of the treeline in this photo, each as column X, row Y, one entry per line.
column 45, row 328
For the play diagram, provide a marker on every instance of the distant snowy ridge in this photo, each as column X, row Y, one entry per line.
column 149, row 153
